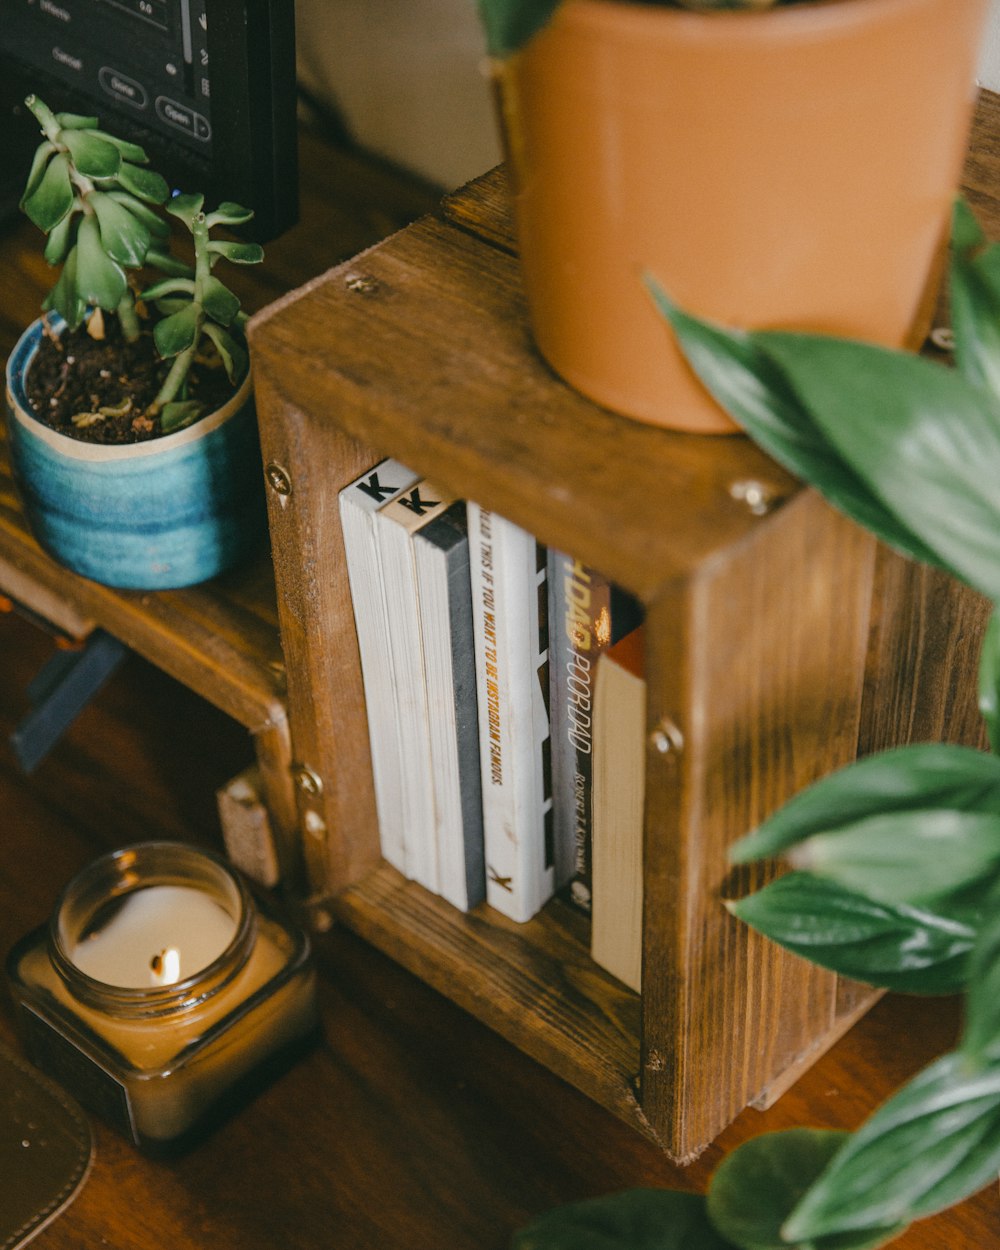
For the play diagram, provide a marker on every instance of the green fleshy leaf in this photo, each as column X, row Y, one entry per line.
column 154, row 223
column 94, row 157
column 168, row 264
column 38, row 165
column 758, row 1184
column 65, row 297
column 100, row 279
column 638, row 1219
column 989, row 680
column 76, row 121
column 509, row 24
column 740, row 377
column 934, row 1143
column 186, row 207
column 229, row 214
column 124, row 237
column 232, row 350
column 129, row 151
column 178, row 332
column 238, row 253
column 144, row 183
column 53, row 197
column 981, row 1038
column 179, row 414
column 61, row 238
column 219, row 302
column 924, row 440
column 975, row 302
column 894, row 946
column 907, row 779
column 169, row 286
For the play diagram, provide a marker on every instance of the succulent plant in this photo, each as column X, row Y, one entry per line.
column 101, row 207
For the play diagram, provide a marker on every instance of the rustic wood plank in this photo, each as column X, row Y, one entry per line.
column 434, row 360
column 483, row 207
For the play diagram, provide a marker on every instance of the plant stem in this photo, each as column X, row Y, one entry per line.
column 175, row 379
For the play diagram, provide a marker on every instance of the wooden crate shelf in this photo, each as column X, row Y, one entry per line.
column 775, row 643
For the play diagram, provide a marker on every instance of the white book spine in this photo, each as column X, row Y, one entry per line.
column 394, row 524
column 358, row 505
column 507, row 579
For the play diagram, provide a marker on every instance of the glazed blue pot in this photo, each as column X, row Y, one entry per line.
column 170, row 512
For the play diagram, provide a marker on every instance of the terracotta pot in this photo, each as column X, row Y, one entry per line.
column 793, row 168
column 157, row 515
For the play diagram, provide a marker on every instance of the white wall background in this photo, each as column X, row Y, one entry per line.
column 406, row 75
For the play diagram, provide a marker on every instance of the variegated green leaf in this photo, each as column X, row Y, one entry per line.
column 218, row 301
column 179, row 414
column 981, row 1038
column 934, row 1143
column 756, row 1186
column 239, row 253
column 65, row 297
column 124, row 236
column 232, row 350
column 53, row 196
column 186, row 207
column 638, row 1219
column 99, row 279
column 909, row 949
column 154, row 223
column 144, row 183
column 178, row 332
column 38, row 165
column 61, row 239
column 229, row 214
column 94, row 157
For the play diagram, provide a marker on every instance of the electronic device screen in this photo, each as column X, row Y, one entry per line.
column 206, row 86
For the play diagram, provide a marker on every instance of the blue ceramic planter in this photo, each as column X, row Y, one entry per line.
column 162, row 514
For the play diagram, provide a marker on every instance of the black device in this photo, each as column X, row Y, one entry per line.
column 207, row 87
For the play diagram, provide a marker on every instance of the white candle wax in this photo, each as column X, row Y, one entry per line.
column 157, row 936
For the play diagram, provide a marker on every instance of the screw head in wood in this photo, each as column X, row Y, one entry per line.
column 306, row 780
column 278, row 478
column 666, row 738
column 758, row 496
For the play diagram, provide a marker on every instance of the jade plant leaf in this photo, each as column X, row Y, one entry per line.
column 638, row 1219
column 61, row 238
column 76, row 121
column 65, row 297
column 93, row 156
column 128, row 151
column 909, row 949
column 155, row 224
column 124, row 236
column 231, row 349
column 144, row 183
column 989, row 680
column 99, row 279
column 239, row 253
column 179, row 414
column 229, row 214
column 178, row 332
column 218, row 301
column 39, row 162
column 509, row 24
column 52, row 198
column 932, row 1144
column 757, row 1185
column 185, row 207
column 735, row 370
column 907, row 779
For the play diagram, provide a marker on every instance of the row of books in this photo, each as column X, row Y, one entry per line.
column 506, row 710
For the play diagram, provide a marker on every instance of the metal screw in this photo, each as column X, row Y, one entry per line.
column 943, row 338
column 278, row 478
column 306, row 780
column 361, row 284
column 758, row 496
column 315, row 824
column 666, row 737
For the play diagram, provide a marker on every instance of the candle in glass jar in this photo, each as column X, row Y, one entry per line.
column 154, row 936
column 159, row 987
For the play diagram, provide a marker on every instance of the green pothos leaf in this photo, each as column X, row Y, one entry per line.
column 756, row 1187
column 638, row 1219
column 975, row 301
column 915, row 950
column 989, row 680
column 981, row 1038
column 932, row 1144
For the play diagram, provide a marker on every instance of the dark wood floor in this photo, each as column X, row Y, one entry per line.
column 411, row 1127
